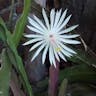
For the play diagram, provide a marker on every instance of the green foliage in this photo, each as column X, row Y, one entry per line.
column 83, row 57
column 11, row 43
column 20, row 25
column 2, row 31
column 63, row 88
column 79, row 89
column 79, row 73
column 5, row 72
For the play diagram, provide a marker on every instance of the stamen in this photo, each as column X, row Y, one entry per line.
column 58, row 49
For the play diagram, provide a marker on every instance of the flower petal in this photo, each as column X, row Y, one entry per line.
column 66, row 53
column 69, row 36
column 64, row 23
column 62, row 18
column 56, row 54
column 33, row 36
column 38, row 51
column 35, row 24
column 57, row 18
column 50, row 55
column 46, row 18
column 44, row 53
column 35, row 30
column 66, row 48
column 40, row 22
column 62, row 56
column 69, row 41
column 52, row 17
column 53, row 57
column 36, row 45
column 68, row 29
column 32, row 41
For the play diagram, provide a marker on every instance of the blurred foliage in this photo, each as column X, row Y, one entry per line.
column 8, row 39
column 63, row 88
column 79, row 89
column 5, row 73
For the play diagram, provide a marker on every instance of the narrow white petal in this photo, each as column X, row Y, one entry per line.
column 69, row 41
column 44, row 53
column 45, row 18
column 62, row 56
column 35, row 30
column 53, row 57
column 32, row 41
column 40, row 22
column 66, row 48
column 62, row 18
column 64, row 23
column 66, row 53
column 69, row 36
column 57, row 17
column 56, row 53
column 68, row 29
column 36, row 45
column 33, row 36
column 35, row 24
column 38, row 51
column 52, row 17
column 50, row 55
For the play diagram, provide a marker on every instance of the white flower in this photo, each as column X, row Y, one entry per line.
column 51, row 37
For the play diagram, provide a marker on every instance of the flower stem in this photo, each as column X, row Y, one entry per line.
column 53, row 79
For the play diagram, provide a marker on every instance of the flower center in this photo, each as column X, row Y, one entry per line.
column 52, row 38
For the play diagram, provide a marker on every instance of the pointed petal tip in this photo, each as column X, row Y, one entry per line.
column 28, row 26
column 43, row 63
column 55, row 65
column 30, row 50
column 66, row 10
column 31, row 60
column 23, row 44
column 43, row 10
column 25, row 35
column 75, row 26
column 29, row 18
column 53, row 9
column 75, row 53
column 70, row 15
column 65, row 60
column 78, row 42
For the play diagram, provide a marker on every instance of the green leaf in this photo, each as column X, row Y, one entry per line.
column 16, row 59
column 78, row 89
column 5, row 72
column 2, row 30
column 19, row 63
column 85, row 57
column 20, row 25
column 63, row 88
column 79, row 73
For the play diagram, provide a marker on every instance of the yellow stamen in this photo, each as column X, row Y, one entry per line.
column 58, row 49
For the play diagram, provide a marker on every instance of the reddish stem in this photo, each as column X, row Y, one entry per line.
column 53, row 79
